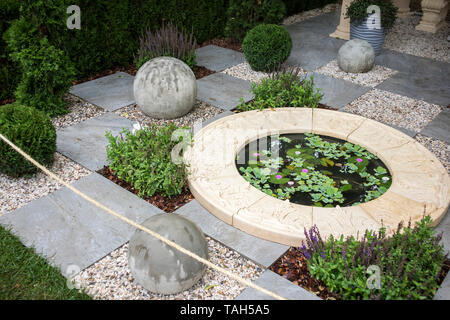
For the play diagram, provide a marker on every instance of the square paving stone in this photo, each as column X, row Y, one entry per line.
column 433, row 88
column 337, row 93
column 443, row 293
column 223, row 91
column 444, row 227
column 439, row 127
column 217, row 58
column 67, row 229
column 110, row 92
column 85, row 142
column 279, row 285
column 258, row 250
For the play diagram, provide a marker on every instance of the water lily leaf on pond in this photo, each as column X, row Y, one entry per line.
column 278, row 178
column 294, row 153
column 345, row 187
column 326, row 172
column 252, row 163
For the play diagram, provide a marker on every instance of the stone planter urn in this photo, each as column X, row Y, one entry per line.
column 403, row 8
column 373, row 35
column 434, row 14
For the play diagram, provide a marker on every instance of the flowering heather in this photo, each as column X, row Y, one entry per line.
column 410, row 262
column 167, row 41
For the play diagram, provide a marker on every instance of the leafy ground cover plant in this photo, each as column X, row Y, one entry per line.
column 32, row 131
column 313, row 170
column 143, row 159
column 409, row 262
column 283, row 88
column 170, row 41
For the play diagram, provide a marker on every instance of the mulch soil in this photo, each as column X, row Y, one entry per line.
column 293, row 267
column 224, row 43
column 201, row 72
column 164, row 203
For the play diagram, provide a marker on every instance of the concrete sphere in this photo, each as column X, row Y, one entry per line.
column 356, row 56
column 165, row 88
column 163, row 269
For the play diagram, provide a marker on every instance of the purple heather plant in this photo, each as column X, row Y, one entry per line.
column 170, row 41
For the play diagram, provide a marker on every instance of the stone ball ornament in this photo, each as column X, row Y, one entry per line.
column 160, row 268
column 356, row 56
column 165, row 88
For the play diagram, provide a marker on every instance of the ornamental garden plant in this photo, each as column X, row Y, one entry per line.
column 283, row 88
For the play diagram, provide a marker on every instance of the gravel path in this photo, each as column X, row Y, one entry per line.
column 403, row 37
column 440, row 149
column 15, row 193
column 79, row 110
column 370, row 79
column 110, row 278
column 394, row 109
column 202, row 111
column 305, row 15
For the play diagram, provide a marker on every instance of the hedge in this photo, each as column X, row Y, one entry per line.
column 110, row 30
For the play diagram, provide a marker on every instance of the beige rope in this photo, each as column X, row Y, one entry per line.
column 138, row 226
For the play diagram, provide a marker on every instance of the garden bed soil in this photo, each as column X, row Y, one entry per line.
column 166, row 204
column 224, row 43
column 293, row 267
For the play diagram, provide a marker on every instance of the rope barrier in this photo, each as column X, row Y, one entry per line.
column 138, row 226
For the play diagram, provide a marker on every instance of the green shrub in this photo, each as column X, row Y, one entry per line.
column 242, row 15
column 284, row 88
column 143, row 159
column 267, row 46
column 47, row 73
column 32, row 131
column 167, row 41
column 409, row 262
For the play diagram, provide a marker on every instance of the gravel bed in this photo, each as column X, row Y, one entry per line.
column 403, row 37
column 110, row 278
column 202, row 111
column 394, row 109
column 440, row 149
column 79, row 110
column 17, row 192
column 245, row 72
column 370, row 79
column 302, row 16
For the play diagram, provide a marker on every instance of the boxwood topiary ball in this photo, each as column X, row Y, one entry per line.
column 266, row 46
column 32, row 131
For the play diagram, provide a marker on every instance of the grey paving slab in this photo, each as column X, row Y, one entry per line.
column 217, row 58
column 432, row 88
column 111, row 92
column 223, row 91
column 258, row 250
column 217, row 117
column 337, row 93
column 443, row 293
column 67, row 229
column 279, row 285
column 311, row 45
column 85, row 142
column 439, row 128
column 444, row 227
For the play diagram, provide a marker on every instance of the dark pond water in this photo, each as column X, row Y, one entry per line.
column 337, row 169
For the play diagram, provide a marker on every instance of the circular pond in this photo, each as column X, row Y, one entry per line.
column 419, row 183
column 316, row 170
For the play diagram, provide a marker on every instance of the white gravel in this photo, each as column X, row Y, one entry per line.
column 202, row 111
column 17, row 192
column 403, row 37
column 305, row 15
column 79, row 110
column 440, row 149
column 370, row 79
column 245, row 72
column 110, row 278
column 394, row 109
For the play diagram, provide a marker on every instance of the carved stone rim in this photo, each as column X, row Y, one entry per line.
column 420, row 183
